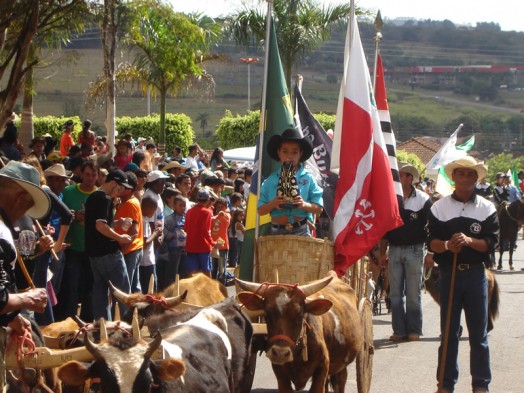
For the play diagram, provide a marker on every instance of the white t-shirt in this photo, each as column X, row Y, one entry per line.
column 159, row 213
column 148, row 257
column 192, row 163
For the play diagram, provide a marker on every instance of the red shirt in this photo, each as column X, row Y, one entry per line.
column 219, row 226
column 198, row 229
column 65, row 143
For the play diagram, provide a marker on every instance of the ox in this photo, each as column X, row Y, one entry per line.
column 199, row 290
column 313, row 331
column 199, row 360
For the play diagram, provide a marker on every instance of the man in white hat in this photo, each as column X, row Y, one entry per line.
column 406, row 254
column 21, row 194
column 463, row 231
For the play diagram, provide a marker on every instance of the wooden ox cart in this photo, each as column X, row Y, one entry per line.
column 294, row 259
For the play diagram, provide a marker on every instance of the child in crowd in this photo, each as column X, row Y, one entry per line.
column 123, row 154
column 147, row 265
column 175, row 237
column 199, row 242
column 238, row 219
column 219, row 225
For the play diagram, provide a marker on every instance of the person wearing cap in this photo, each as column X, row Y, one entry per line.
column 156, row 182
column 405, row 257
column 291, row 148
column 199, row 242
column 103, row 243
column 66, row 140
column 513, row 192
column 129, row 208
column 463, row 231
column 21, row 194
column 77, row 277
column 500, row 192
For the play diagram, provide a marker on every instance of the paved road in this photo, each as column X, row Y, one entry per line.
column 411, row 367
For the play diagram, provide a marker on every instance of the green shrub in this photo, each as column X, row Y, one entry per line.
column 238, row 131
column 179, row 131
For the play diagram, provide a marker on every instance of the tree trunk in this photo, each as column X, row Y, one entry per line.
column 11, row 90
column 27, row 129
column 108, row 30
column 162, row 135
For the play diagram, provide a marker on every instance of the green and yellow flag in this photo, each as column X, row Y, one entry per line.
column 278, row 117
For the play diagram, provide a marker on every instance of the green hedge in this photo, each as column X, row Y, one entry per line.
column 240, row 131
column 179, row 131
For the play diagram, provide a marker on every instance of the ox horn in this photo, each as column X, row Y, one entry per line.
column 153, row 346
column 175, row 301
column 103, row 330
column 81, row 324
column 122, row 296
column 248, row 286
column 135, row 326
column 315, row 286
column 92, row 348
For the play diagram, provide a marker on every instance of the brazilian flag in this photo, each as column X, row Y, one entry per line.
column 279, row 116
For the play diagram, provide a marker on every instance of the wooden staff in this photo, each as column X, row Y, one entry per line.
column 26, row 273
column 42, row 233
column 446, row 328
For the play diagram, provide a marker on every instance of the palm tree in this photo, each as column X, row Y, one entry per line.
column 301, row 25
column 203, row 118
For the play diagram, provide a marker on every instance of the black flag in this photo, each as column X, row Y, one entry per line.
column 322, row 146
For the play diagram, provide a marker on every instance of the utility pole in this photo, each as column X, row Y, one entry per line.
column 248, row 61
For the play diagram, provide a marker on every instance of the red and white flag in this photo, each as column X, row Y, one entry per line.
column 365, row 200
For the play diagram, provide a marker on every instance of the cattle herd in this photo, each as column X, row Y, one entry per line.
column 203, row 341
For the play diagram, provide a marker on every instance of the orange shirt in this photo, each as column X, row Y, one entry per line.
column 131, row 208
column 219, row 226
column 66, row 141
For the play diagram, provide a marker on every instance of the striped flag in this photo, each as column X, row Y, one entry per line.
column 279, row 116
column 385, row 123
column 365, row 202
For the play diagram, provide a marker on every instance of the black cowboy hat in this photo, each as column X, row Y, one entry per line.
column 289, row 134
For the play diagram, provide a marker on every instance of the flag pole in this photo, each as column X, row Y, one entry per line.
column 378, row 37
column 262, row 124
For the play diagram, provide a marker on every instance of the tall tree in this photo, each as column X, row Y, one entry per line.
column 168, row 49
column 22, row 22
column 302, row 25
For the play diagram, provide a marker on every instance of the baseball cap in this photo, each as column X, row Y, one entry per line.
column 203, row 195
column 155, row 175
column 119, row 177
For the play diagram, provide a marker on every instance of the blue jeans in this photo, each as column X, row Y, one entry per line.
column 76, row 287
column 57, row 267
column 40, row 280
column 110, row 267
column 470, row 294
column 406, row 264
column 177, row 256
column 145, row 277
column 133, row 260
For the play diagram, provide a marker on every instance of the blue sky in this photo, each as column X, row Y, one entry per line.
column 509, row 14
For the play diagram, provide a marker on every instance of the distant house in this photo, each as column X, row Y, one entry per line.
column 424, row 147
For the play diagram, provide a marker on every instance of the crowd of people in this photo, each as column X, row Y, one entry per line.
column 132, row 217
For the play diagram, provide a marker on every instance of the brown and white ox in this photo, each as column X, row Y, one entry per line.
column 313, row 331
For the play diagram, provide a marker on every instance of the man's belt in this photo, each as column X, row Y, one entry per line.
column 289, row 226
column 469, row 266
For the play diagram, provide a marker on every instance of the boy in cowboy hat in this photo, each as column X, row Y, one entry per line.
column 293, row 149
column 463, row 231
